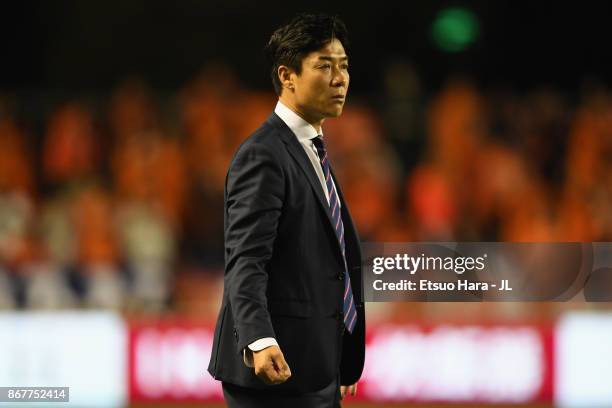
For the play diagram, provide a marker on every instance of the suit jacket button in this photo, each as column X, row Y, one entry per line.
column 341, row 276
column 236, row 334
column 339, row 316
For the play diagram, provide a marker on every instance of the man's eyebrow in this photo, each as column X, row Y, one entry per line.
column 326, row 58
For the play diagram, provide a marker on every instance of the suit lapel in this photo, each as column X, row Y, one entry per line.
column 297, row 152
column 349, row 225
column 353, row 249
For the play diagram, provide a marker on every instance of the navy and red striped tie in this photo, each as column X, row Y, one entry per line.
column 350, row 313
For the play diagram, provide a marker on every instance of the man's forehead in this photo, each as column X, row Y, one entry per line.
column 329, row 57
column 332, row 50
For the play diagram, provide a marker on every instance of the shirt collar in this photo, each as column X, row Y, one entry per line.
column 302, row 129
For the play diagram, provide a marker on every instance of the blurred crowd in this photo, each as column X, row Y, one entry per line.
column 116, row 202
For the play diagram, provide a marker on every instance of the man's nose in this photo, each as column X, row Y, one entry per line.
column 340, row 78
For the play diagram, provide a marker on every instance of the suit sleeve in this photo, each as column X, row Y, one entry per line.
column 254, row 200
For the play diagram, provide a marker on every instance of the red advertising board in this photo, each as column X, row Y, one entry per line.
column 416, row 363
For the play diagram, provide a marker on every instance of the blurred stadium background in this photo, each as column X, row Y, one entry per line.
column 466, row 121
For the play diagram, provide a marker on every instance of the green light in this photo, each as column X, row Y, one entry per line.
column 454, row 29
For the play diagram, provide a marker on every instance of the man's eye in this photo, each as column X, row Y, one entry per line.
column 345, row 66
column 325, row 66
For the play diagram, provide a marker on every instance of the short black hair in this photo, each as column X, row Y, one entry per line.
column 305, row 33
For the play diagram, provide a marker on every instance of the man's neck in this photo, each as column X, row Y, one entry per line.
column 291, row 105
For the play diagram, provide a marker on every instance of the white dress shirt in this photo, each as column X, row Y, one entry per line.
column 304, row 132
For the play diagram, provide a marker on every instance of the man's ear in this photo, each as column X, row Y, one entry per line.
column 285, row 76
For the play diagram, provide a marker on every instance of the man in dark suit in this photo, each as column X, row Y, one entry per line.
column 291, row 330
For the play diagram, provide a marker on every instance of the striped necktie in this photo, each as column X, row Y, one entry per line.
column 350, row 313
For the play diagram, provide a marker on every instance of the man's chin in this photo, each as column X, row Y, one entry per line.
column 334, row 113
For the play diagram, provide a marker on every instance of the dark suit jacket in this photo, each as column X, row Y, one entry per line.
column 284, row 268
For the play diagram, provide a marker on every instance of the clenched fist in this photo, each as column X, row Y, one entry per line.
column 348, row 389
column 270, row 365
